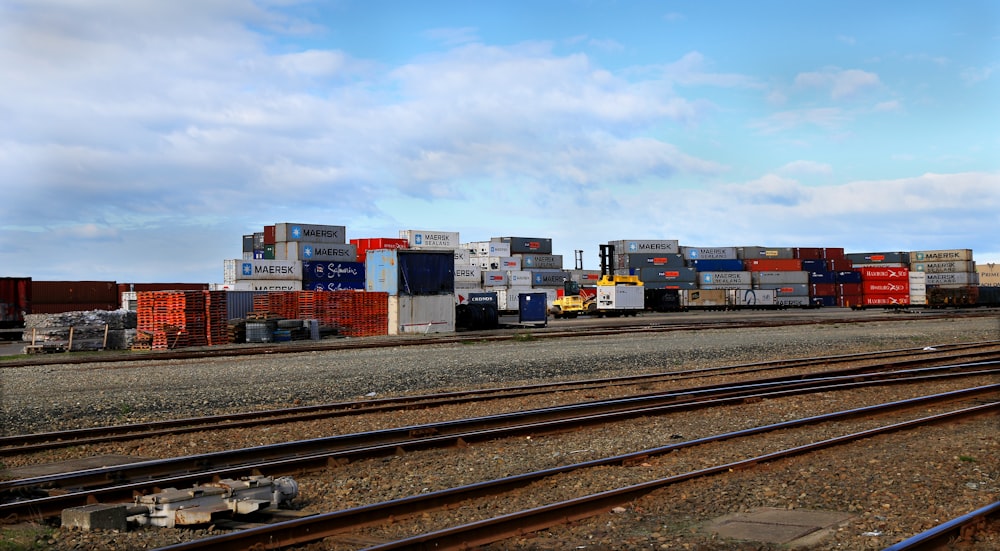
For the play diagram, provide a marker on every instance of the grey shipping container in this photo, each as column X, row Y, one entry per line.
column 941, row 255
column 724, row 278
column 667, row 274
column 644, row 260
column 310, row 233
column 708, row 253
column 625, row 246
column 756, row 253
column 890, row 257
column 529, row 245
column 780, row 278
column 541, row 261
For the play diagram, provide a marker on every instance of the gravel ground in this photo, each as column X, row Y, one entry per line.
column 61, row 396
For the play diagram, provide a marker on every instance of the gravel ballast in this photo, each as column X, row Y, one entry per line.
column 54, row 397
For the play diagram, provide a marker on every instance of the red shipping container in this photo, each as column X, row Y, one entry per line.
column 374, row 243
column 849, row 301
column 848, row 289
column 15, row 300
column 823, row 289
column 269, row 235
column 839, row 265
column 810, row 253
column 773, row 265
column 886, row 300
column 886, row 287
column 833, row 253
column 883, row 273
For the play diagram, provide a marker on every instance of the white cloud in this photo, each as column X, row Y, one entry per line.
column 842, row 84
column 806, row 167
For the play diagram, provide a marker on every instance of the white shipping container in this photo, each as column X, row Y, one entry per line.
column 318, row 252
column 478, row 248
column 942, row 255
column 620, row 297
column 421, row 314
column 507, row 299
column 264, row 285
column 468, row 273
column 238, row 269
column 503, row 262
column 462, row 257
column 497, row 248
column 311, row 233
column 494, row 278
column 519, row 278
column 754, row 297
column 429, row 239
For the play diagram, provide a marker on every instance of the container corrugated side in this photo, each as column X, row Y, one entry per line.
column 498, row 249
column 724, row 278
column 946, row 266
column 625, row 246
column 943, row 255
column 953, row 278
column 75, row 292
column 333, row 271
column 542, row 261
column 709, row 253
column 754, row 297
column 430, row 239
column 643, row 260
column 892, row 257
column 318, row 252
column 773, row 265
column 528, row 245
column 238, row 269
column 495, row 278
column 421, row 314
column 717, row 265
column 468, row 274
column 548, row 278
column 889, row 273
column 656, row 274
column 780, row 278
column 988, row 274
column 309, row 233
column 755, row 252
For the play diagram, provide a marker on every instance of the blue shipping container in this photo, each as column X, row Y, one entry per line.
column 410, row 272
column 814, row 265
column 717, row 265
column 822, row 276
column 333, row 285
column 334, row 271
column 532, row 308
column 849, row 277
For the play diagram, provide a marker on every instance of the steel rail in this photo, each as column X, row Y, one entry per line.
column 313, row 528
column 30, row 443
column 632, row 405
column 944, row 534
column 122, row 483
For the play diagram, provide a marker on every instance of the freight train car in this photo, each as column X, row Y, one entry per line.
column 15, row 302
column 964, row 296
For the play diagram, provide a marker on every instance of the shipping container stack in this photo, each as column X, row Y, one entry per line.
column 509, row 267
column 949, row 274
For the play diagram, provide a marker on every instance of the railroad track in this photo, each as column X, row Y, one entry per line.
column 884, row 360
column 580, row 328
column 389, row 525
column 42, row 497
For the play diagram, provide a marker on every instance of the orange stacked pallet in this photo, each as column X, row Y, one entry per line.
column 173, row 318
column 372, row 314
column 217, row 322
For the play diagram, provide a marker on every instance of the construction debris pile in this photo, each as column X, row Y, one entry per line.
column 83, row 330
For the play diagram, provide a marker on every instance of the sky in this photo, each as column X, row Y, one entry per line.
column 141, row 140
